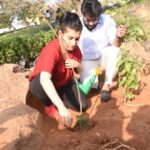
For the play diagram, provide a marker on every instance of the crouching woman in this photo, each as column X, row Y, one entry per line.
column 52, row 78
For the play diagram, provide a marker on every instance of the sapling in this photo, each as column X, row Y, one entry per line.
column 80, row 121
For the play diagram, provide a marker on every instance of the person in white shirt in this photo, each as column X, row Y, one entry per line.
column 99, row 42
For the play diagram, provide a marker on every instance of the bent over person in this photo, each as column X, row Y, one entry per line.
column 99, row 42
column 52, row 78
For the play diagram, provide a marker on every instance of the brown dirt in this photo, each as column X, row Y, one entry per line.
column 107, row 122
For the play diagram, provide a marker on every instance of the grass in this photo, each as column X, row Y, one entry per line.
column 31, row 31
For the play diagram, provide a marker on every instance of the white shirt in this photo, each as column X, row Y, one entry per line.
column 92, row 42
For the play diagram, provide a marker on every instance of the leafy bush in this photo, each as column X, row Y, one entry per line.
column 28, row 30
column 136, row 31
column 129, row 69
column 14, row 47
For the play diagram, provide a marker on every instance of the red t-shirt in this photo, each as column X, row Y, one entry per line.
column 51, row 60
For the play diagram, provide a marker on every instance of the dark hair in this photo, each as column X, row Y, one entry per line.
column 70, row 20
column 91, row 8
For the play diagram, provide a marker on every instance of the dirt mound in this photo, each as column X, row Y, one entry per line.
column 13, row 85
column 20, row 126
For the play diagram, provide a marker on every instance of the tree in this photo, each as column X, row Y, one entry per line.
column 20, row 8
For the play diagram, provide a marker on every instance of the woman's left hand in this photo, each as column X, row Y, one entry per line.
column 71, row 63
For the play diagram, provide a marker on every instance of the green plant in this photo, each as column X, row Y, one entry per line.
column 136, row 30
column 129, row 71
column 13, row 47
column 81, row 121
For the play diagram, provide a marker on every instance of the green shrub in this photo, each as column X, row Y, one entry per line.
column 136, row 30
column 12, row 48
column 129, row 71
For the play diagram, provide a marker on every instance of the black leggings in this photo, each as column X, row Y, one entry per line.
column 68, row 92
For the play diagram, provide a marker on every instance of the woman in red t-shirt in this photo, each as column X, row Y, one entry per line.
column 52, row 78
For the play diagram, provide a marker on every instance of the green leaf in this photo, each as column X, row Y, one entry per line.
column 123, row 72
column 122, row 83
column 128, row 67
column 130, row 95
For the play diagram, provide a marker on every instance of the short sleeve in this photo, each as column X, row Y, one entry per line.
column 47, row 58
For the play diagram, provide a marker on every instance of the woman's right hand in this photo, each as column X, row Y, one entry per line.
column 66, row 116
column 71, row 63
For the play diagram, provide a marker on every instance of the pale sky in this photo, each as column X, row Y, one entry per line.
column 53, row 1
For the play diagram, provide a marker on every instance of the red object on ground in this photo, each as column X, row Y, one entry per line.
column 52, row 112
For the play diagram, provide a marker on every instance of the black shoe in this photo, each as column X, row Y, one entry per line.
column 95, row 90
column 105, row 96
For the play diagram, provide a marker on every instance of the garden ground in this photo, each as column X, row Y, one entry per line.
column 129, row 123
